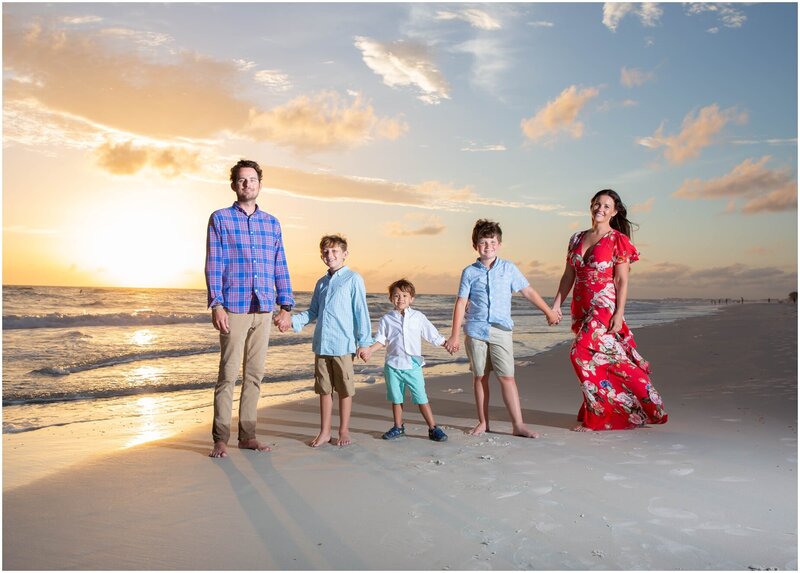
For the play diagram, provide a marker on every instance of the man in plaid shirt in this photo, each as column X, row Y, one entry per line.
column 246, row 276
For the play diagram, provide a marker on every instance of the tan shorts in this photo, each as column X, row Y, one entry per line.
column 495, row 354
column 334, row 373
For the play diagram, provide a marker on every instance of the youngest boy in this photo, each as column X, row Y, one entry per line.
column 401, row 331
column 339, row 305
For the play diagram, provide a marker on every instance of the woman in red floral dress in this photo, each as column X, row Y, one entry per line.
column 617, row 392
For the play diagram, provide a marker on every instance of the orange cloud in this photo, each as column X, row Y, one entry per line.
column 763, row 189
column 645, row 207
column 78, row 73
column 425, row 195
column 696, row 133
column 559, row 115
column 323, row 122
column 634, row 77
column 425, row 226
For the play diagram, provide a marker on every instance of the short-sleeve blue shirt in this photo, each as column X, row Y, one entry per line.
column 489, row 294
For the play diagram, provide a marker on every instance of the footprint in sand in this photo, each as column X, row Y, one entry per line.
column 669, row 512
column 681, row 472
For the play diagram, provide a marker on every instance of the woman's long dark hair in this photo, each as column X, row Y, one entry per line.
column 620, row 221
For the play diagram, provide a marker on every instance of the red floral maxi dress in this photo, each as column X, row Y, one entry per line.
column 617, row 393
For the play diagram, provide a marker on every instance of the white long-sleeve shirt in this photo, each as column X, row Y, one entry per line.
column 402, row 335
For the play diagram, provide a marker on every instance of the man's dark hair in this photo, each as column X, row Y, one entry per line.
column 244, row 163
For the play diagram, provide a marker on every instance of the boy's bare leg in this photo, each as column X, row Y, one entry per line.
column 427, row 413
column 325, row 413
column 508, row 386
column 345, row 407
column 397, row 415
column 220, row 450
column 481, row 388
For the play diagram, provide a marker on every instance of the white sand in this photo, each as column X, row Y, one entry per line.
column 715, row 488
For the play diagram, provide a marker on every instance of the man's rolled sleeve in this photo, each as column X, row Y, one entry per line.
column 215, row 264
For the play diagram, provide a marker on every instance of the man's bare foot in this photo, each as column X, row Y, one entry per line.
column 524, row 432
column 220, row 450
column 253, row 444
column 582, row 428
column 320, row 440
column 344, row 439
column 479, row 429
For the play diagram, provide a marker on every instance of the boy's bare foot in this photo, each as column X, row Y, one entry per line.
column 220, row 450
column 581, row 428
column 320, row 440
column 479, row 429
column 344, row 439
column 524, row 432
column 253, row 444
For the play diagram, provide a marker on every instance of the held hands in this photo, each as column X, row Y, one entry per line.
column 452, row 344
column 554, row 316
column 283, row 320
column 364, row 353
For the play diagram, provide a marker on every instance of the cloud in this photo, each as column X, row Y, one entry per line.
column 729, row 15
column 649, row 13
column 634, row 77
column 425, row 195
column 128, row 158
column 25, row 230
column 189, row 97
column 79, row 20
column 476, row 18
column 645, row 207
column 325, row 121
column 559, row 115
column 424, row 225
column 490, row 61
column 773, row 141
column 541, row 24
column 148, row 39
column 405, row 64
column 275, row 80
column 474, row 147
column 763, row 189
column 696, row 133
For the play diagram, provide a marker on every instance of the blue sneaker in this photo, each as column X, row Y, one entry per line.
column 395, row 432
column 437, row 434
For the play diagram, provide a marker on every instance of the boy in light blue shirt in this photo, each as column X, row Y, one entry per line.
column 339, row 305
column 483, row 306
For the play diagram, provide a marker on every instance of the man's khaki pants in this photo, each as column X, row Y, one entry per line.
column 245, row 345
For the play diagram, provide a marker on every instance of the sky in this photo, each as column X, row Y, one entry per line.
column 398, row 125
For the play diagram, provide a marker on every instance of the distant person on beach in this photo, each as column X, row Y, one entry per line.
column 339, row 305
column 401, row 332
column 246, row 277
column 483, row 307
column 617, row 392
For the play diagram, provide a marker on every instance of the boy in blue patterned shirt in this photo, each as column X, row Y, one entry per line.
column 483, row 306
column 339, row 305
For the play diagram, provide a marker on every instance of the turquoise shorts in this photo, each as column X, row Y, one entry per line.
column 398, row 380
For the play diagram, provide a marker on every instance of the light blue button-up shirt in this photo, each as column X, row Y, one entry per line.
column 339, row 305
column 489, row 293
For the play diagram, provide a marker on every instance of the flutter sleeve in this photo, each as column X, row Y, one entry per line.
column 624, row 251
column 573, row 240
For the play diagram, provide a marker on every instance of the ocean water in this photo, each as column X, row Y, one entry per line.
column 77, row 355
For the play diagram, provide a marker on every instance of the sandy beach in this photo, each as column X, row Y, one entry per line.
column 715, row 488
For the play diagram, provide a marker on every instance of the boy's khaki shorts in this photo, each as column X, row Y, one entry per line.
column 334, row 373
column 496, row 354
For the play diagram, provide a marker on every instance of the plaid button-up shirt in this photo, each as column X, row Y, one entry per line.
column 245, row 263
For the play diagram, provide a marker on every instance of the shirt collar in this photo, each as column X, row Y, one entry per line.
column 480, row 265
column 239, row 208
column 338, row 271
